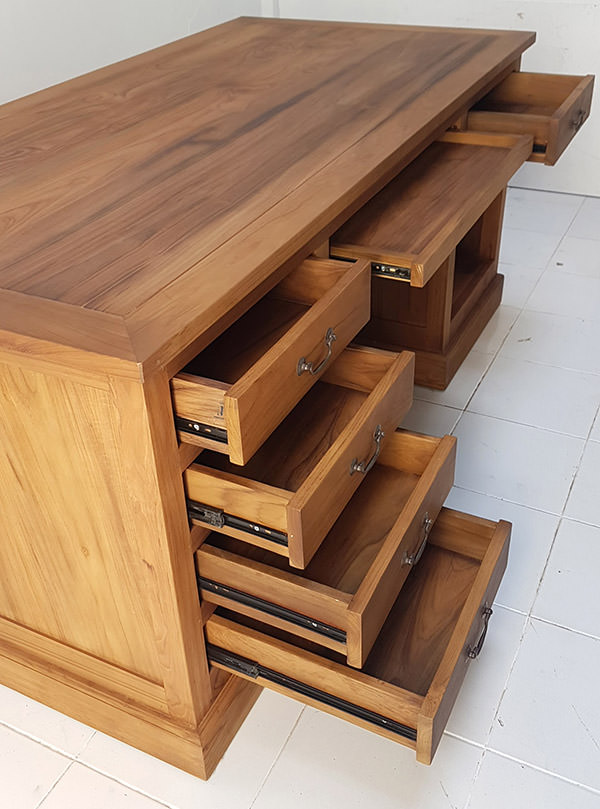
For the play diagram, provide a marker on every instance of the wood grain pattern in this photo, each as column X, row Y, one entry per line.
column 419, row 660
column 420, row 217
column 61, row 477
column 88, row 166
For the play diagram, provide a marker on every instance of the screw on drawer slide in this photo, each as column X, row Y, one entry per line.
column 203, row 430
column 390, row 271
column 251, row 668
column 267, row 607
column 217, row 518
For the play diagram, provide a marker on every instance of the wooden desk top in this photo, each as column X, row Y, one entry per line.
column 141, row 202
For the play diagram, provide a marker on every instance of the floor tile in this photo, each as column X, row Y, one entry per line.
column 539, row 395
column 569, row 591
column 522, row 464
column 585, row 224
column 584, row 500
column 531, row 539
column 236, row 780
column 82, row 787
column 528, row 248
column 494, row 334
column 519, row 283
column 566, row 342
column 27, row 770
column 573, row 295
column 577, row 257
column 480, row 694
column 503, row 783
column 550, row 713
column 460, row 390
column 431, row 419
column 43, row 723
column 540, row 211
column 329, row 763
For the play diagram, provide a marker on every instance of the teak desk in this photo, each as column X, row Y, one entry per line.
column 146, row 209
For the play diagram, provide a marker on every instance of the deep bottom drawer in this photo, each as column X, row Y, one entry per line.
column 412, row 676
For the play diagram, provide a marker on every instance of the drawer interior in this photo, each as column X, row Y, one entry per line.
column 231, row 396
column 240, row 346
column 290, row 453
column 550, row 107
column 411, row 676
column 529, row 94
column 415, row 222
column 232, row 354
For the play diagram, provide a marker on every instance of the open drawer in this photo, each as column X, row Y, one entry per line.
column 550, row 107
column 413, row 674
column 343, row 597
column 236, row 391
column 292, row 491
column 410, row 228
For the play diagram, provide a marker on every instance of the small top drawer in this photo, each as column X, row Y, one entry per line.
column 410, row 228
column 233, row 394
column 292, row 491
column 342, row 598
column 413, row 674
column 550, row 107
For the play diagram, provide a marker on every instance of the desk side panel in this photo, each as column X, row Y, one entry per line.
column 85, row 557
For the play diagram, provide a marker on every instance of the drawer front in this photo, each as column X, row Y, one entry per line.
column 413, row 674
column 550, row 107
column 411, row 227
column 380, row 386
column 344, row 596
column 268, row 375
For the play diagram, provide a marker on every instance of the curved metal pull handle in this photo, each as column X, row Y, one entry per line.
column 473, row 651
column 366, row 466
column 303, row 365
column 577, row 122
column 413, row 558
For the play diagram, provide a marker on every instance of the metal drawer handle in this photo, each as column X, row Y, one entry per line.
column 366, row 466
column 473, row 651
column 303, row 365
column 577, row 122
column 413, row 558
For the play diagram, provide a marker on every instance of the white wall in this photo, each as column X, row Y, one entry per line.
column 43, row 42
column 568, row 41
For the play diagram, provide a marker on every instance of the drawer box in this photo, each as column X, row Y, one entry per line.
column 411, row 227
column 343, row 597
column 292, row 491
column 413, row 674
column 232, row 396
column 550, row 107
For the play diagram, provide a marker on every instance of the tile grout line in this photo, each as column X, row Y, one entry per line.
column 276, row 759
column 537, row 768
column 126, row 784
column 525, row 424
column 565, row 627
column 526, row 624
column 55, row 784
column 42, row 742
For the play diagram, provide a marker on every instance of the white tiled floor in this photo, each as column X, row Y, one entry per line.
column 525, row 731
